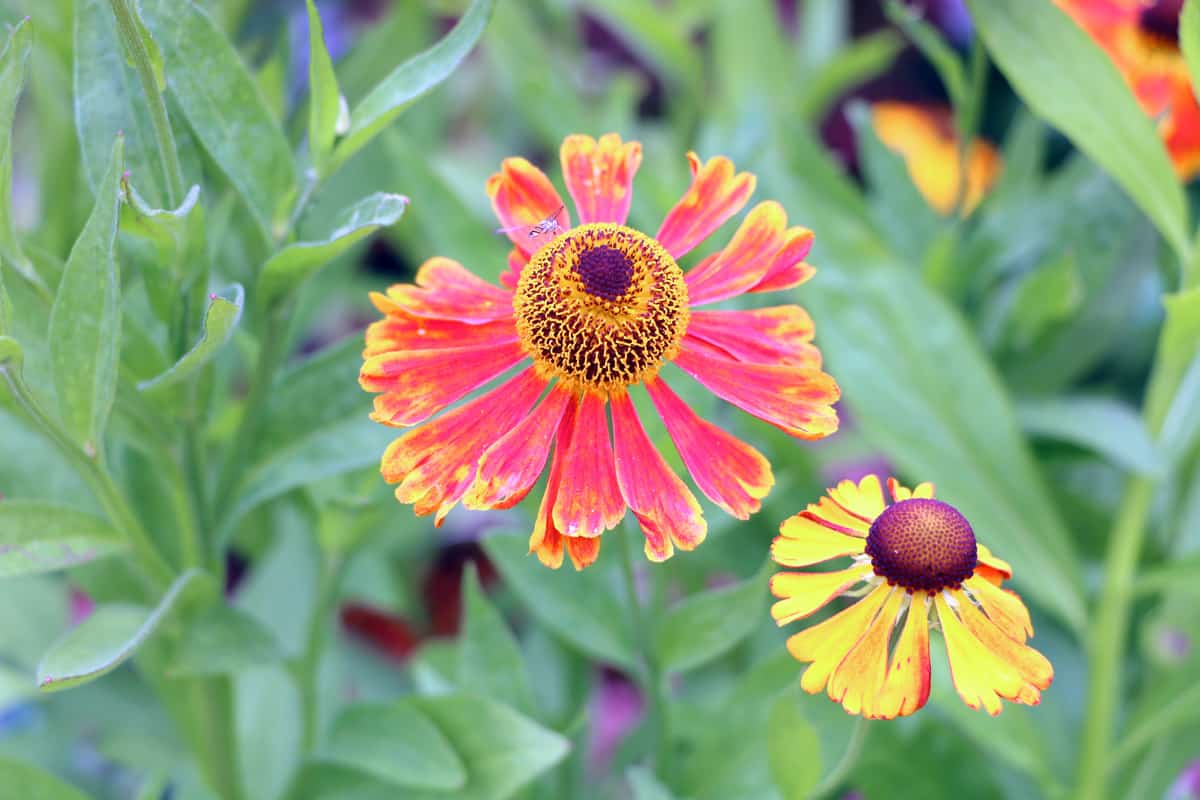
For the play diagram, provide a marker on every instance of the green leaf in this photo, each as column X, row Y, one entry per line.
column 166, row 228
column 28, row 782
column 411, row 80
column 85, row 320
column 649, row 31
column 268, row 720
column 793, row 748
column 1189, row 39
column 285, row 270
column 706, row 625
column 331, row 374
column 1178, row 350
column 644, row 786
column 921, row 390
column 396, row 743
column 1106, row 426
column 489, row 659
column 1044, row 297
column 219, row 323
column 324, row 97
column 224, row 641
column 579, row 607
column 935, row 49
column 853, row 66
column 12, row 76
column 223, row 106
column 1068, row 81
column 105, row 640
column 36, row 536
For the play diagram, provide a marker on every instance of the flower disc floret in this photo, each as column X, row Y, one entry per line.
column 601, row 307
column 924, row 545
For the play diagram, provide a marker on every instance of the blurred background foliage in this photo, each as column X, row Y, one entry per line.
column 1003, row 355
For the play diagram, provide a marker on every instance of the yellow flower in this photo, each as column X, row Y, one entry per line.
column 913, row 561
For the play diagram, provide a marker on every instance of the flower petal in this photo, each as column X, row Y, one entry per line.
column 667, row 510
column 863, row 499
column 583, row 550
column 996, row 570
column 836, row 517
column 828, row 642
column 906, row 687
column 517, row 259
column 803, row 593
column 511, row 466
column 858, row 679
column 419, row 383
column 797, row 400
column 445, row 289
column 1031, row 667
column 599, row 176
column 523, row 196
column 547, row 540
column 1004, row 608
column 435, row 463
column 728, row 471
column 400, row 330
column 588, row 501
column 804, row 539
column 776, row 335
column 787, row 269
column 716, row 194
column 744, row 261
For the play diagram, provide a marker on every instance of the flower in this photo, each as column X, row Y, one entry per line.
column 1142, row 39
column 915, row 559
column 925, row 138
column 587, row 312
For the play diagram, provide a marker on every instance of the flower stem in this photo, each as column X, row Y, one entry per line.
column 307, row 669
column 850, row 755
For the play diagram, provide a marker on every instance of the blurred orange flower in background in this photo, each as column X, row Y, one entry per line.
column 1142, row 39
column 587, row 312
column 925, row 138
column 913, row 561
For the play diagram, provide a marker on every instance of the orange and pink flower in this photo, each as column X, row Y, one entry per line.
column 586, row 312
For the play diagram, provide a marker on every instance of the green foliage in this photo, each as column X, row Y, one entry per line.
column 36, row 536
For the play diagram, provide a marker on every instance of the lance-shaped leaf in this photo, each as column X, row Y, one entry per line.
column 106, row 639
column 31, row 783
column 411, row 80
column 396, row 743
column 1104, row 425
column 224, row 641
column 1068, row 81
column 705, row 625
column 290, row 266
column 489, row 659
column 85, row 320
column 219, row 323
column 12, row 77
column 1189, row 39
column 166, row 228
column 324, row 100
column 36, row 536
column 223, row 105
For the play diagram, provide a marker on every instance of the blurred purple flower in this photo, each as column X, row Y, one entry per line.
column 1187, row 785
column 616, row 708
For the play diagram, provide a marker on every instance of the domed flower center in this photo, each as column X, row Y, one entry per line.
column 922, row 545
column 601, row 306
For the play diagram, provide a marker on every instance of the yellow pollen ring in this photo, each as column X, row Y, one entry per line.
column 601, row 307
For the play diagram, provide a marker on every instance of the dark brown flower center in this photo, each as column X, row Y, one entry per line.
column 606, row 272
column 1161, row 19
column 922, row 545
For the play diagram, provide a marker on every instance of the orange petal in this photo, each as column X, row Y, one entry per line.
column 517, row 259
column 805, row 540
column 588, row 502
column 716, row 194
column 797, row 400
column 787, row 269
column 403, row 331
column 906, row 687
column 523, row 196
column 583, row 550
column 599, row 176
column 898, row 491
column 512, row 465
column 668, row 512
column 827, row 643
column 996, row 570
column 1003, row 607
column 777, row 335
column 863, row 499
column 730, row 472
column 803, row 593
column 435, row 463
column 420, row 383
column 445, row 289
column 857, row 680
column 547, row 543
column 547, row 540
column 744, row 261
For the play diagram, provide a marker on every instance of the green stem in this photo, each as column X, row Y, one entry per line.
column 850, row 755
column 210, row 709
column 650, row 672
column 307, row 669
column 158, row 573
column 127, row 28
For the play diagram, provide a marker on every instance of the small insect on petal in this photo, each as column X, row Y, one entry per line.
column 547, row 226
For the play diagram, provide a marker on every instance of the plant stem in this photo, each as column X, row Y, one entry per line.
column 650, row 676
column 307, row 669
column 210, row 707
column 127, row 28
column 854, row 746
column 155, row 568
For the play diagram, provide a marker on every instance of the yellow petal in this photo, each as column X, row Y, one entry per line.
column 803, row 593
column 858, row 679
column 826, row 644
column 1003, row 607
column 906, row 687
column 804, row 540
column 864, row 499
